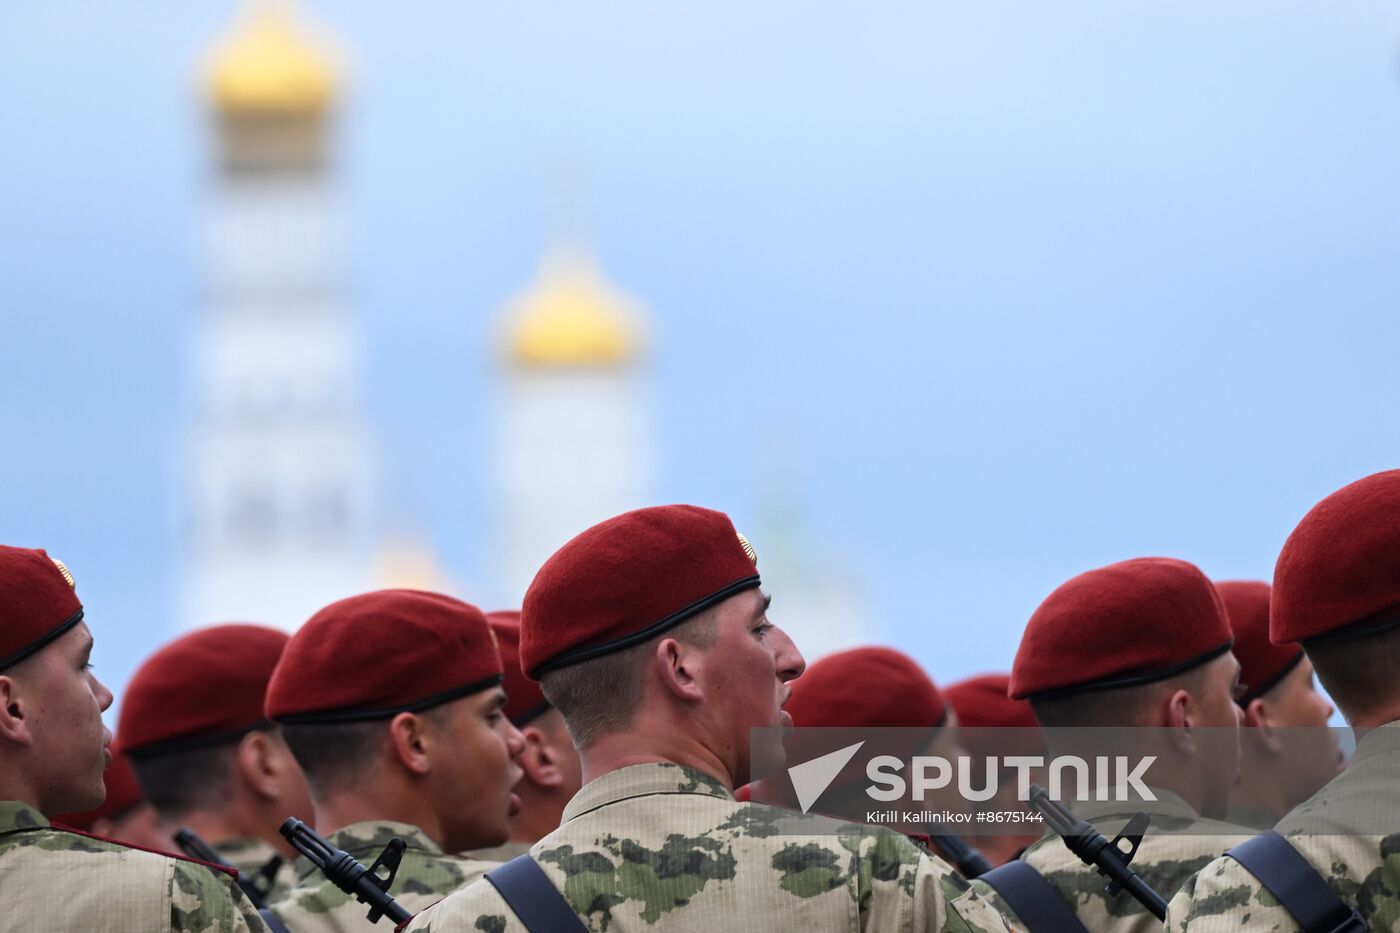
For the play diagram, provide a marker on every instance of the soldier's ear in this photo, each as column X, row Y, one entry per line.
column 674, row 666
column 409, row 739
column 1180, row 714
column 14, row 725
column 1259, row 726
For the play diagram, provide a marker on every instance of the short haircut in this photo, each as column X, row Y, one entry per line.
column 600, row 696
column 179, row 783
column 1120, row 706
column 335, row 756
column 1358, row 672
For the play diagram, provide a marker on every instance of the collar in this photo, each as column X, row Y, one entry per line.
column 16, row 817
column 1168, row 803
column 643, row 781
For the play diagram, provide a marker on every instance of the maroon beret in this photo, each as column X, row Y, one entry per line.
column 382, row 653
column 992, row 722
column 202, row 689
column 866, row 687
column 524, row 700
column 1262, row 663
column 123, row 794
column 983, row 701
column 1339, row 572
column 629, row 579
column 1126, row 624
column 37, row 602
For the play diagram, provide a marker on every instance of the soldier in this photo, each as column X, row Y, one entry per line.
column 52, row 754
column 124, row 815
column 649, row 633
column 1143, row 644
column 1286, row 750
column 206, row 758
column 392, row 702
column 993, row 724
column 1336, row 588
column 834, row 693
column 549, row 765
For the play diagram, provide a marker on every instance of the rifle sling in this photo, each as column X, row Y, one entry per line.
column 1034, row 899
column 534, row 898
column 1299, row 887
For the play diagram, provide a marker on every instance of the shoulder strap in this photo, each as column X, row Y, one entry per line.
column 274, row 922
column 1299, row 887
column 534, row 898
column 1034, row 899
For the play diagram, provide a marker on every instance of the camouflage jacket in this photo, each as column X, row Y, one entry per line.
column 425, row 876
column 500, row 853
column 249, row 856
column 1339, row 830
column 1177, row 844
column 659, row 846
column 60, row 880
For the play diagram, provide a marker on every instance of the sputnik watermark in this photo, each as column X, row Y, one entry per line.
column 1113, row 778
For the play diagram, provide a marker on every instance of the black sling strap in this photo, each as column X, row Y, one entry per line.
column 1299, row 887
column 534, row 898
column 1034, row 899
column 273, row 922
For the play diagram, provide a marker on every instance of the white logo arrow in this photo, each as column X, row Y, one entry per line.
column 811, row 778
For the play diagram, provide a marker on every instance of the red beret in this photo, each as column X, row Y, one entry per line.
column 629, row 579
column 378, row 654
column 1122, row 625
column 983, row 701
column 1262, row 663
column 1339, row 571
column 524, row 700
column 123, row 794
column 866, row 687
column 202, row 689
column 37, row 603
column 993, row 723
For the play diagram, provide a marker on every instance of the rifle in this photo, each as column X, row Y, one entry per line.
column 257, row 886
column 350, row 875
column 968, row 859
column 1093, row 849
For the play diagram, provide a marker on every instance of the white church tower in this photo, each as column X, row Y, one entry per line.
column 575, row 436
column 278, row 509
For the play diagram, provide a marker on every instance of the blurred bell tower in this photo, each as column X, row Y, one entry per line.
column 278, row 504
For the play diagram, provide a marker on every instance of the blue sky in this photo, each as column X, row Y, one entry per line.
column 1021, row 288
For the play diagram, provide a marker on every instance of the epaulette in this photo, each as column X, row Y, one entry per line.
column 227, row 870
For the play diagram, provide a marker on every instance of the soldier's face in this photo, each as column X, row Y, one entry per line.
column 749, row 684
column 62, row 703
column 474, row 785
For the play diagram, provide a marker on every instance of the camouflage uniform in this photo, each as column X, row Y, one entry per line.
column 1251, row 817
column 425, row 876
column 60, row 880
column 1336, row 831
column 249, row 855
column 662, row 846
column 500, row 853
column 1177, row 844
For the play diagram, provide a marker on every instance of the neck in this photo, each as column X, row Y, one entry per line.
column 1374, row 719
column 359, row 805
column 641, row 745
column 13, row 788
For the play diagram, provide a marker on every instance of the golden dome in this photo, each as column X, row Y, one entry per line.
column 268, row 66
column 572, row 316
